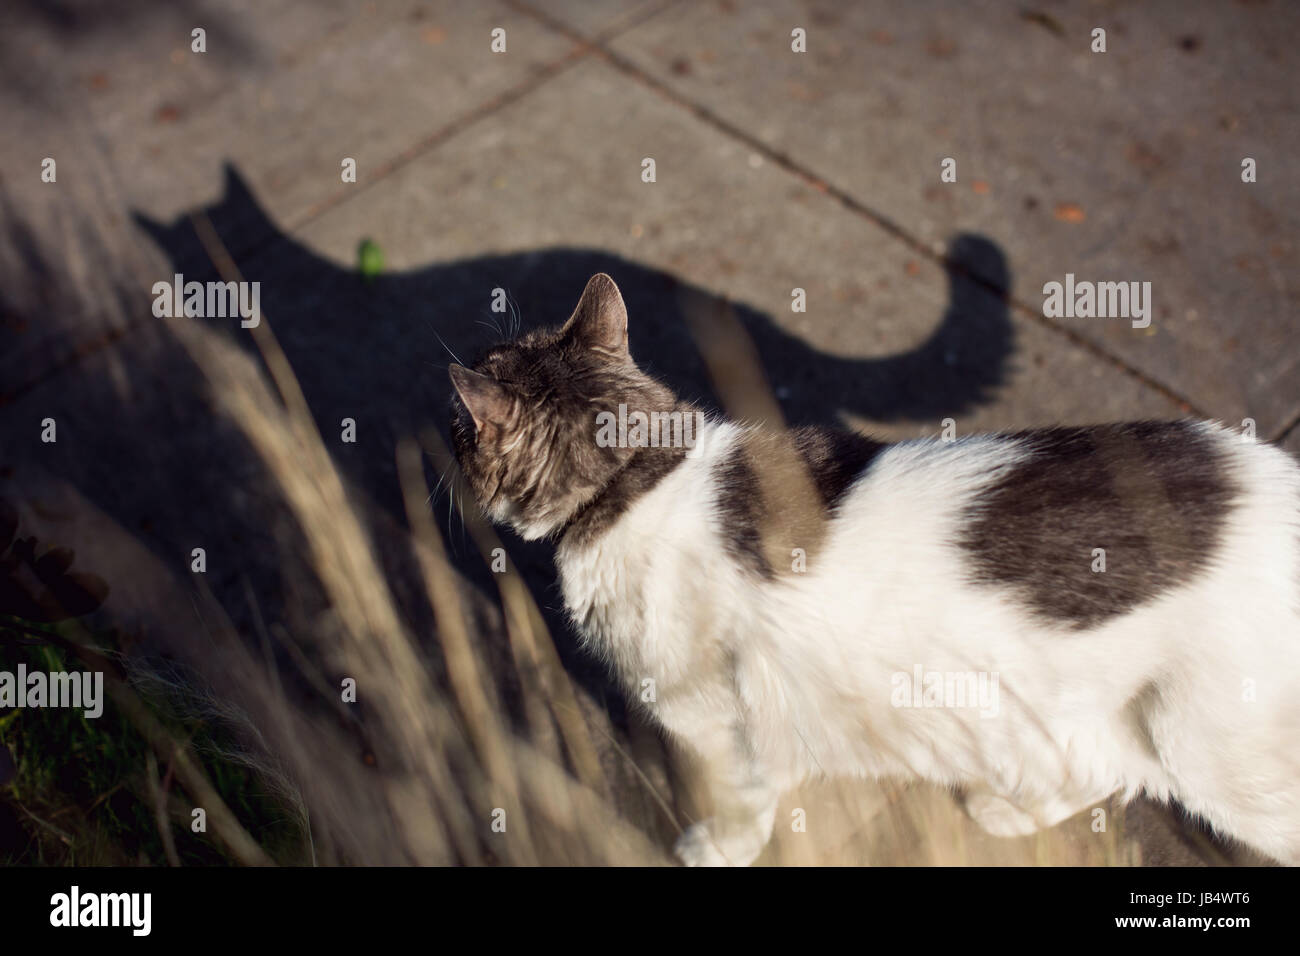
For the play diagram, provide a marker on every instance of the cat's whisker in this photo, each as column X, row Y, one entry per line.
column 451, row 509
column 436, row 488
column 461, row 509
column 495, row 326
column 444, row 344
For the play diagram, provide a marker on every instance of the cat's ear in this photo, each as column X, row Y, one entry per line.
column 600, row 320
column 486, row 399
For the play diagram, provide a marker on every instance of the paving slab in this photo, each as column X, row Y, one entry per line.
column 1115, row 166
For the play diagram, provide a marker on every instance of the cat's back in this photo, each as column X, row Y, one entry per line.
column 1080, row 525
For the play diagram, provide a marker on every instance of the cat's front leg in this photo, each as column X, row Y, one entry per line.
column 728, row 838
column 744, row 804
column 998, row 816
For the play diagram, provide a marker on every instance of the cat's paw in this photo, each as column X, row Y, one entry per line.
column 999, row 816
column 700, row 846
column 695, row 847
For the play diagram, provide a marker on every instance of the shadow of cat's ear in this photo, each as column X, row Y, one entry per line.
column 235, row 191
column 599, row 322
column 236, row 209
column 155, row 230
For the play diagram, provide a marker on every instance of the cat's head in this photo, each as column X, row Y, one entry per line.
column 524, row 418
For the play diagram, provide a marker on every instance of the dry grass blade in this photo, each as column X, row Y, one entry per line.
column 528, row 632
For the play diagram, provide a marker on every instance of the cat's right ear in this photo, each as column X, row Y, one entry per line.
column 599, row 321
column 486, row 399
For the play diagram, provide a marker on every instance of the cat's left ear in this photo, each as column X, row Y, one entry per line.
column 486, row 399
column 600, row 320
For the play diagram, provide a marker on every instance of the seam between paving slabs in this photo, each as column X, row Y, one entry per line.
column 628, row 22
column 582, row 46
column 849, row 202
column 1288, row 429
column 436, row 138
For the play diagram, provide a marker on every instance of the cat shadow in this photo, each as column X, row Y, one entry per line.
column 376, row 351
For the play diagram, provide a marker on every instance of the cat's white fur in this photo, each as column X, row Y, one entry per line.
column 1194, row 695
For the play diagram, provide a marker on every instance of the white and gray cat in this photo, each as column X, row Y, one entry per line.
column 1040, row 619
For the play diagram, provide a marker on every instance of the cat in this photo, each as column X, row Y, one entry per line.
column 1123, row 600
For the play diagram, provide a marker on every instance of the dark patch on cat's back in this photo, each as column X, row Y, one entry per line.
column 836, row 458
column 740, row 503
column 1153, row 495
column 833, row 460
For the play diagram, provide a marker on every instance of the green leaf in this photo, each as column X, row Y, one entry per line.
column 370, row 259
